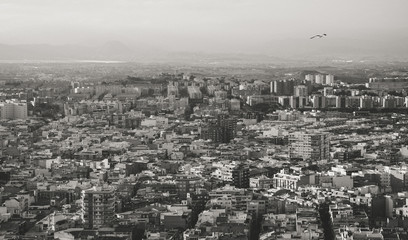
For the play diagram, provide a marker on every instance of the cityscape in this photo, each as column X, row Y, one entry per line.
column 110, row 142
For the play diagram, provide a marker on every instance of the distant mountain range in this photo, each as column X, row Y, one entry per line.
column 117, row 51
column 335, row 49
column 270, row 52
column 108, row 51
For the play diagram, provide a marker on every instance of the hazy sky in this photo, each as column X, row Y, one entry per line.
column 198, row 24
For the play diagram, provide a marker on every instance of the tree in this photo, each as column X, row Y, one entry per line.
column 204, row 90
column 133, row 79
column 370, row 94
column 360, row 87
column 15, row 83
column 265, row 107
column 187, row 113
column 343, row 93
column 47, row 110
column 395, row 93
column 316, row 88
column 183, row 92
column 150, row 92
column 265, row 91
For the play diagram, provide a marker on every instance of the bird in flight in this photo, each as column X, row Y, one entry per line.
column 319, row 36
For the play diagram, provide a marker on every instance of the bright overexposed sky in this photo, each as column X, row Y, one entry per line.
column 198, row 24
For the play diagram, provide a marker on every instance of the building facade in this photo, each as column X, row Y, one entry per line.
column 13, row 110
column 98, row 207
column 240, row 176
column 309, row 145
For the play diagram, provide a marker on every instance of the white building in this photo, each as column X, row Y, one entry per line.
column 300, row 91
column 309, row 145
column 194, row 92
column 157, row 121
column 329, row 79
column 285, row 181
column 310, row 77
column 223, row 170
column 13, row 110
column 319, row 79
column 235, row 104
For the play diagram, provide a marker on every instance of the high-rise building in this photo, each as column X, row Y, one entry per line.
column 320, row 79
column 223, row 131
column 12, row 109
column 330, row 101
column 75, row 84
column 300, row 91
column 310, row 77
column 382, row 207
column 240, row 176
column 294, row 102
column 282, row 87
column 341, row 102
column 223, row 120
column 329, row 79
column 366, row 102
column 285, row 101
column 216, row 133
column 235, row 104
column 288, row 87
column 257, row 99
column 285, row 180
column 319, row 101
column 399, row 101
column 327, row 91
column 98, row 207
column 194, row 92
column 172, row 89
column 276, row 87
column 353, row 101
column 309, row 145
column 199, row 200
column 388, row 83
column 297, row 102
column 187, row 184
column 220, row 94
column 389, row 102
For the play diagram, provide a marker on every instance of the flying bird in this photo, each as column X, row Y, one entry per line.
column 319, row 36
